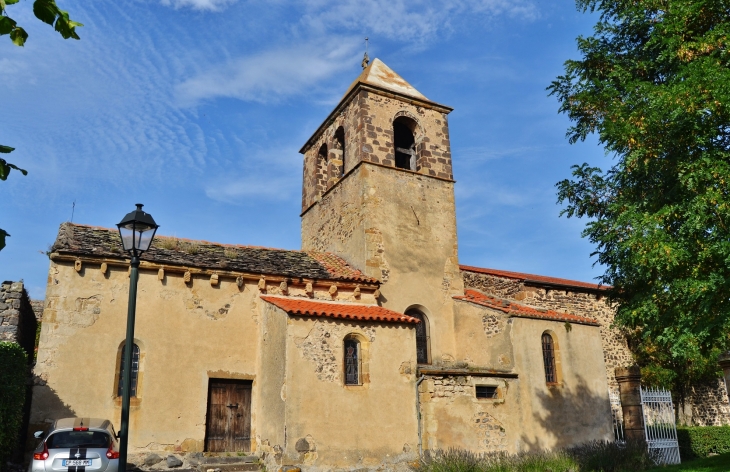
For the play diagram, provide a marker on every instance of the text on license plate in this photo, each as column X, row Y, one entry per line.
column 75, row 462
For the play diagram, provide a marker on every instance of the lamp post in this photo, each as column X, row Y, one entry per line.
column 136, row 229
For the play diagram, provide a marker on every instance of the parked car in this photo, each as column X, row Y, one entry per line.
column 77, row 445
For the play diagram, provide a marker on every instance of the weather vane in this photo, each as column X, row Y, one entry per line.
column 365, row 59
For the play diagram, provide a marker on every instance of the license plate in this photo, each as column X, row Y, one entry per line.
column 75, row 462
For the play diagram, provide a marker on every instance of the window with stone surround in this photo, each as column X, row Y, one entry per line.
column 135, row 371
column 404, row 142
column 423, row 341
column 340, row 147
column 353, row 361
column 549, row 351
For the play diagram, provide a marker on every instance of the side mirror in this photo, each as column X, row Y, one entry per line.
column 38, row 434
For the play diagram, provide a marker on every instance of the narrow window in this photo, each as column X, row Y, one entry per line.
column 352, row 362
column 422, row 338
column 321, row 170
column 548, row 359
column 486, row 391
column 135, row 372
column 322, row 155
column 340, row 139
column 404, row 143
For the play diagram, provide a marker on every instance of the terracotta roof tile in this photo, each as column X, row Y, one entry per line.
column 522, row 311
column 104, row 242
column 339, row 268
column 350, row 311
column 534, row 278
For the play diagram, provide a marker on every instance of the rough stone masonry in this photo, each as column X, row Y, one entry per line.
column 17, row 319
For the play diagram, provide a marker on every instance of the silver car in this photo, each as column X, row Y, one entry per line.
column 77, row 445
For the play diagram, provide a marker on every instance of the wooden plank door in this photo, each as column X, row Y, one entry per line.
column 228, row 422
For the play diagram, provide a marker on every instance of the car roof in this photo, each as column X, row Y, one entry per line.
column 95, row 423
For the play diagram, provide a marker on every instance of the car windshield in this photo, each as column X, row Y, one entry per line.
column 69, row 439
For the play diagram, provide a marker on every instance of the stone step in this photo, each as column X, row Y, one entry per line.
column 233, row 459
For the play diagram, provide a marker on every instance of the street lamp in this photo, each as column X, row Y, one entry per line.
column 136, row 230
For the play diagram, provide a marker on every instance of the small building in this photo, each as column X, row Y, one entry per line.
column 370, row 344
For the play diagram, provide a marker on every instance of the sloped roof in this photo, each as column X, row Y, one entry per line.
column 534, row 278
column 348, row 311
column 382, row 76
column 522, row 311
column 104, row 242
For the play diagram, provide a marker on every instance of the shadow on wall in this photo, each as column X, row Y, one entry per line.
column 46, row 408
column 569, row 416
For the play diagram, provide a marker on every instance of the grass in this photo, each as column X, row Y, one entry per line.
column 719, row 463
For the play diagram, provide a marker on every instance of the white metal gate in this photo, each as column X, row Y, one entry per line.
column 660, row 430
column 618, row 417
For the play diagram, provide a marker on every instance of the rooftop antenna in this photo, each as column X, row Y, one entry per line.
column 73, row 208
column 365, row 59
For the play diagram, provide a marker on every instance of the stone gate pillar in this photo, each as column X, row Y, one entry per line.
column 629, row 381
column 724, row 361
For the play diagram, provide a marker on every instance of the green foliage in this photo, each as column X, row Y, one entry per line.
column 5, row 168
column 608, row 456
column 45, row 10
column 599, row 456
column 659, row 368
column 701, row 441
column 13, row 373
column 654, row 85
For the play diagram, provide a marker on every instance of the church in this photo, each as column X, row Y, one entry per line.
column 362, row 350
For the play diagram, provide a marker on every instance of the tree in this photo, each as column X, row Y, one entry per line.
column 654, row 85
column 5, row 168
column 48, row 12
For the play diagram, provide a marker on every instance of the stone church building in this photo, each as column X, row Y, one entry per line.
column 366, row 346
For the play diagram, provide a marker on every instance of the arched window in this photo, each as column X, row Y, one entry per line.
column 404, row 143
column 321, row 168
column 423, row 354
column 353, row 361
column 548, row 359
column 340, row 142
column 135, row 371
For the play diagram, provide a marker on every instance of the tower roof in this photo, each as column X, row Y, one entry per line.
column 380, row 79
column 382, row 76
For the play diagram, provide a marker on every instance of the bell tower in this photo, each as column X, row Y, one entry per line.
column 378, row 190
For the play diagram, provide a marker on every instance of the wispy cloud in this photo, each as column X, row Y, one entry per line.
column 279, row 179
column 272, row 75
column 406, row 20
column 213, row 5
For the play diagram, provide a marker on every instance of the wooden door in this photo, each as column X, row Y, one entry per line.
column 228, row 423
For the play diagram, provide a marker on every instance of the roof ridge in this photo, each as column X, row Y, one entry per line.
column 521, row 310
column 533, row 277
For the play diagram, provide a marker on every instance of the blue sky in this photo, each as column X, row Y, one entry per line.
column 197, row 109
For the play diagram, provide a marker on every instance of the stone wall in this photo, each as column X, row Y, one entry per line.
column 38, row 306
column 17, row 320
column 706, row 405
column 582, row 303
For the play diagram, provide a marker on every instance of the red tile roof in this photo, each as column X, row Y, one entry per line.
column 303, row 307
column 534, row 278
column 522, row 311
column 339, row 268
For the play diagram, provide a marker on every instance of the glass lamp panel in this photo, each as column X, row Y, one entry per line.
column 144, row 238
column 128, row 238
